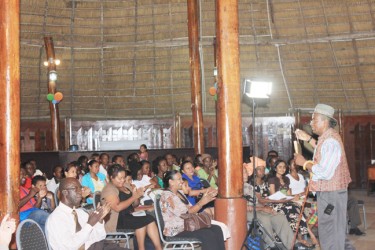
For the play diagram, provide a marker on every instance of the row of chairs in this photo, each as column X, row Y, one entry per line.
column 30, row 236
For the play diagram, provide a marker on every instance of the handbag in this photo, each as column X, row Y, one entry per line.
column 197, row 221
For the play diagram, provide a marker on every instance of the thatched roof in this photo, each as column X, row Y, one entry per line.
column 129, row 59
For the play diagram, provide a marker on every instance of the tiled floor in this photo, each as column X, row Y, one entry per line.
column 366, row 242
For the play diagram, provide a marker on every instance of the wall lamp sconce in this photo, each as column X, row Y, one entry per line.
column 51, row 61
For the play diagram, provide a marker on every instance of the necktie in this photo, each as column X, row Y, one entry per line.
column 78, row 226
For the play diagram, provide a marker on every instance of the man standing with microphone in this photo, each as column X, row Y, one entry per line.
column 330, row 178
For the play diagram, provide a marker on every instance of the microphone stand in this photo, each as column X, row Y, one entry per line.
column 255, row 224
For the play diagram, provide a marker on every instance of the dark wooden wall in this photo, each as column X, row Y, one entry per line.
column 359, row 141
column 358, row 135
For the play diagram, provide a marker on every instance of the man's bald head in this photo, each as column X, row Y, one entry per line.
column 70, row 192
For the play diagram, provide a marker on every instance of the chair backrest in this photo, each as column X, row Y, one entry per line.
column 205, row 183
column 56, row 196
column 159, row 216
column 96, row 198
column 30, row 236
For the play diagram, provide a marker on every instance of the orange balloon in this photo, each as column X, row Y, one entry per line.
column 212, row 91
column 58, row 96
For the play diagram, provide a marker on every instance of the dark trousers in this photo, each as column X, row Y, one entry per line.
column 211, row 238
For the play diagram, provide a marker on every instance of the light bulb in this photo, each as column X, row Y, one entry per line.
column 52, row 75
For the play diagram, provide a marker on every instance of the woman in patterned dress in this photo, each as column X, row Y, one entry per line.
column 174, row 203
column 290, row 209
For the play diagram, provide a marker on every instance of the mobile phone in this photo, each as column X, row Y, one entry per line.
column 329, row 209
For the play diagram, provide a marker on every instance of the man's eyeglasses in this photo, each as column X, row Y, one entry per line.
column 77, row 189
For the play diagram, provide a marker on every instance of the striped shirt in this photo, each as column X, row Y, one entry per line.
column 330, row 159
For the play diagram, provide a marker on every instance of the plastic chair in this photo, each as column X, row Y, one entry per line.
column 205, row 183
column 175, row 241
column 29, row 236
column 96, row 198
column 121, row 234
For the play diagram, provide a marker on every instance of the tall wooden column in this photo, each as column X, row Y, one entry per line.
column 9, row 107
column 230, row 207
column 195, row 75
column 53, row 108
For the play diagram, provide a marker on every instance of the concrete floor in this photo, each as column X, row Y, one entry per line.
column 366, row 242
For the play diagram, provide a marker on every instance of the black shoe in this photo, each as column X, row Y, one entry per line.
column 356, row 231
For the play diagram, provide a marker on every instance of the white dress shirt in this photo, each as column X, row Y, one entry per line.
column 102, row 170
column 52, row 185
column 61, row 229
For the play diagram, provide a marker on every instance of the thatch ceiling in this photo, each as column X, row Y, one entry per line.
column 130, row 59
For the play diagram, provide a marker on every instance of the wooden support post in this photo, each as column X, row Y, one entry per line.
column 9, row 107
column 195, row 75
column 230, row 207
column 54, row 108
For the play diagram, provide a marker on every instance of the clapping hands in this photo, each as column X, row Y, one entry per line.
column 7, row 228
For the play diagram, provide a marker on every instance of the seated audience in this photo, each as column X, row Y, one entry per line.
column 70, row 171
column 143, row 154
column 198, row 161
column 44, row 198
column 123, row 202
column 104, row 163
column 94, row 156
column 208, row 170
column 270, row 162
column 194, row 182
column 186, row 158
column 146, row 170
column 273, row 222
column 29, row 174
column 53, row 184
column 174, row 203
column 82, row 161
column 143, row 181
column 297, row 183
column 287, row 207
column 29, row 209
column 7, row 228
column 36, row 170
column 171, row 162
column 93, row 179
column 272, row 153
column 72, row 228
column 133, row 163
column 159, row 167
column 186, row 190
column 118, row 159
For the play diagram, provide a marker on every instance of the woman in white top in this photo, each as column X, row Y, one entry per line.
column 297, row 182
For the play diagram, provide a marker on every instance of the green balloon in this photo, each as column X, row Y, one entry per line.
column 50, row 97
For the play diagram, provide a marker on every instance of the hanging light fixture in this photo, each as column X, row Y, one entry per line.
column 52, row 75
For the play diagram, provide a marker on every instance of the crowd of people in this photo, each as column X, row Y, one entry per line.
column 188, row 185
